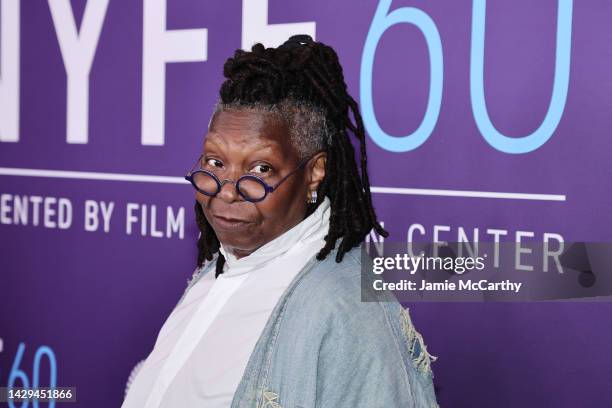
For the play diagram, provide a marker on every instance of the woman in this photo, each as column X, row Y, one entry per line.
column 282, row 208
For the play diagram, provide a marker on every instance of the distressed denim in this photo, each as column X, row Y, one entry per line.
column 323, row 347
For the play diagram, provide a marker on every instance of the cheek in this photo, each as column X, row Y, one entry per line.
column 281, row 211
column 203, row 202
column 201, row 198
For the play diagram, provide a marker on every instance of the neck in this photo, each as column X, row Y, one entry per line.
column 240, row 253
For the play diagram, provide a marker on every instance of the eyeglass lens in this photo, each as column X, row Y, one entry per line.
column 250, row 188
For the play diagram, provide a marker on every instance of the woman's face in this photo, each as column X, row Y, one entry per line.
column 255, row 142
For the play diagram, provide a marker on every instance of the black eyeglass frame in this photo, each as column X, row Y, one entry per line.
column 267, row 188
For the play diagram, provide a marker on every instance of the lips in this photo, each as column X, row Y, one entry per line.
column 229, row 223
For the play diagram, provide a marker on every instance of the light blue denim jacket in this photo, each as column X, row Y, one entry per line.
column 323, row 347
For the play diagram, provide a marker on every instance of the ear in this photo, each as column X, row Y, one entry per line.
column 316, row 171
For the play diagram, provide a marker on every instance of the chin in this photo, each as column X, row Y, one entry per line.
column 237, row 242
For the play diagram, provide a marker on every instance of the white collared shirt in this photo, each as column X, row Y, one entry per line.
column 204, row 346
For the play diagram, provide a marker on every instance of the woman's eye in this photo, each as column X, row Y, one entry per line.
column 214, row 163
column 261, row 168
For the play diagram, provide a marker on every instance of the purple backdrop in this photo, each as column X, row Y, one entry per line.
column 91, row 302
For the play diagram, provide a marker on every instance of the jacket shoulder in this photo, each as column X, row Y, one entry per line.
column 344, row 291
column 329, row 318
column 332, row 287
column 334, row 297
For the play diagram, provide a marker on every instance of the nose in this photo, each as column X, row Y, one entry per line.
column 228, row 191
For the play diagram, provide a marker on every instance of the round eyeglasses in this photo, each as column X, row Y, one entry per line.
column 248, row 186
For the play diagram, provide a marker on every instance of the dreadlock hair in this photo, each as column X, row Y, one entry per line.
column 302, row 82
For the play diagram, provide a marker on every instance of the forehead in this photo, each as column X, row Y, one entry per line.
column 249, row 129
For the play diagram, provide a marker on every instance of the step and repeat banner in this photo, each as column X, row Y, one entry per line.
column 486, row 120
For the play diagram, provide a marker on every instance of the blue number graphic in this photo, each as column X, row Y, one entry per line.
column 44, row 350
column 17, row 374
column 536, row 139
column 380, row 23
